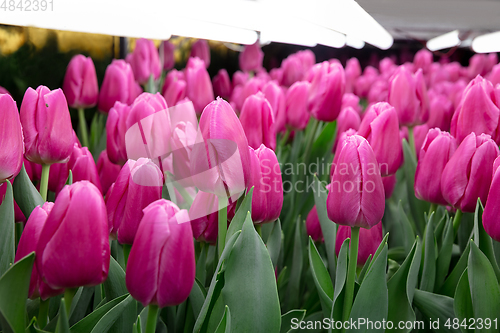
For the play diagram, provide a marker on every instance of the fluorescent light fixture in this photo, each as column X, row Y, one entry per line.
column 354, row 42
column 444, row 41
column 487, row 43
column 330, row 38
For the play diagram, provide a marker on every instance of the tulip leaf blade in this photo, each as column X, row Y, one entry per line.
column 14, row 286
column 250, row 280
column 7, row 230
column 435, row 306
column 240, row 215
column 371, row 302
column 197, row 297
column 340, row 280
column 328, row 228
column 25, row 193
column 274, row 243
column 402, row 286
column 62, row 321
column 225, row 323
column 428, row 279
column 453, row 279
column 323, row 145
column 462, row 304
column 482, row 239
column 322, row 279
column 286, row 319
column 110, row 317
column 293, row 287
column 444, row 255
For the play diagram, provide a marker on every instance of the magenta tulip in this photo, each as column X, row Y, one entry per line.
column 116, row 127
column 389, row 184
column 293, row 70
column 369, row 241
column 352, row 72
column 222, row 84
column 296, row 112
column 440, row 112
column 138, row 184
column 145, row 61
column 257, row 119
column 201, row 49
column 267, row 198
column 168, row 55
column 11, row 139
column 161, row 266
column 351, row 100
column 423, row 59
column 364, row 82
column 276, row 98
column 467, row 175
column 313, row 226
column 240, row 78
column 348, row 118
column 494, row 75
column 80, row 83
column 48, row 134
column 83, row 167
column 380, row 127
column 174, row 88
column 251, row 57
column 492, row 207
column 356, row 197
column 184, row 137
column 118, row 85
column 326, row 90
column 199, row 87
column 108, row 171
column 435, row 153
column 73, row 248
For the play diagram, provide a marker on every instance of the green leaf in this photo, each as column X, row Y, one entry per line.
column 328, row 228
column 444, row 256
column 340, row 279
column 293, row 290
column 7, row 230
column 212, row 291
column 201, row 263
column 451, row 282
column 435, row 307
column 240, row 216
column 107, row 321
column 274, row 243
column 250, row 280
column 197, row 297
column 408, row 232
column 33, row 328
column 463, row 302
column 323, row 145
column 429, row 270
column 14, row 286
column 80, row 304
column 379, row 250
column 62, row 322
column 286, row 319
column 402, row 287
column 225, row 323
column 483, row 240
column 313, row 317
column 88, row 323
column 321, row 279
column 26, row 194
column 484, row 288
column 371, row 302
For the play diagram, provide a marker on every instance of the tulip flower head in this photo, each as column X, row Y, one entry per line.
column 257, row 119
column 251, row 57
column 313, row 226
column 80, row 83
column 145, row 61
column 11, row 139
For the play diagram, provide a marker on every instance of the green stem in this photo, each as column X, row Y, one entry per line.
column 83, row 127
column 44, row 182
column 152, row 318
column 285, row 137
column 43, row 313
column 69, row 293
column 456, row 221
column 411, row 138
column 222, row 227
column 433, row 208
column 150, row 85
column 351, row 273
column 310, row 139
column 258, row 227
column 126, row 252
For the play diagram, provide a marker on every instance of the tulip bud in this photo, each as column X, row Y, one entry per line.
column 369, row 241
column 477, row 111
column 440, row 112
column 257, row 119
column 116, row 128
column 73, row 248
column 267, row 198
column 387, row 67
column 276, row 74
column 408, row 95
column 351, row 100
column 313, row 227
column 363, row 83
column 145, row 105
column 118, row 85
column 378, row 91
column 28, row 243
column 389, row 184
column 48, row 134
column 356, row 196
column 199, row 87
column 467, row 175
column 222, row 164
column 326, row 90
column 222, row 84
column 292, row 70
column 4, row 91
column 145, row 61
column 161, row 266
column 11, row 139
column 276, row 98
column 80, row 83
column 174, row 88
column 435, row 153
column 251, row 57
column 380, row 127
column 108, row 171
column 352, row 72
column 477, row 65
column 494, row 75
column 491, row 209
column 348, row 118
column 168, row 55
column 423, row 59
column 138, row 184
column 240, row 78
column 82, row 166
column 184, row 137
column 201, row 50
column 296, row 112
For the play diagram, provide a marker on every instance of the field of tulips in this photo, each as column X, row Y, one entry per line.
column 314, row 197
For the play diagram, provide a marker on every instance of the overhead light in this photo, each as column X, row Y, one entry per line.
column 354, row 42
column 330, row 38
column 487, row 43
column 444, row 41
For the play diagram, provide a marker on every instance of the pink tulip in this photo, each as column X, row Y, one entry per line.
column 313, row 226
column 145, row 61
column 276, row 74
column 138, row 184
column 435, row 153
column 251, row 57
column 423, row 59
column 82, row 165
column 108, row 171
column 116, row 127
column 184, row 137
column 494, row 75
column 440, row 112
column 378, row 91
column 11, row 139
column 276, row 98
column 168, row 55
column 4, row 91
column 348, row 118
column 200, row 49
column 174, row 88
column 389, row 184
column 118, row 85
column 491, row 209
column 222, row 84
column 296, row 112
column 351, row 100
column 73, row 248
column 240, row 78
column 161, row 266
column 352, row 72
column 364, row 82
column 419, row 133
column 369, row 241
column 48, row 134
column 387, row 67
column 257, row 119
column 356, row 197
column 467, row 175
column 199, row 87
column 293, row 70
column 145, row 105
column 80, row 83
